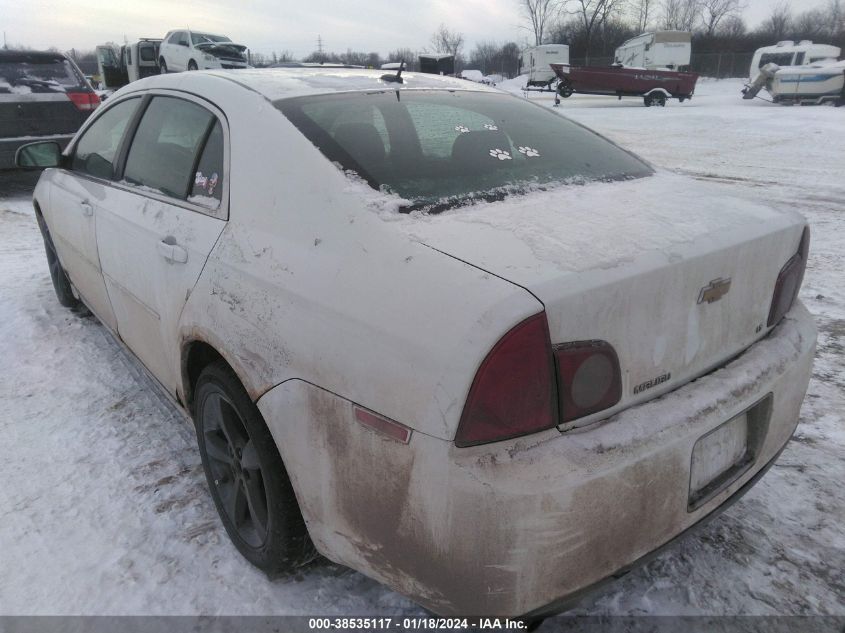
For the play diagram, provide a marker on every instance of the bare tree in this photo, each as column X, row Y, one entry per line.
column 539, row 14
column 733, row 28
column 483, row 56
column 592, row 14
column 681, row 15
column 404, row 55
column 836, row 17
column 642, row 11
column 445, row 40
column 714, row 11
column 779, row 22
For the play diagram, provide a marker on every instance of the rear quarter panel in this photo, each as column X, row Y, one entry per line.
column 307, row 282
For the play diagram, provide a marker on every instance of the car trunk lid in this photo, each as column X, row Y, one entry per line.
column 677, row 275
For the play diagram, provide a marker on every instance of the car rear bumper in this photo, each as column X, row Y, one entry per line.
column 8, row 146
column 526, row 526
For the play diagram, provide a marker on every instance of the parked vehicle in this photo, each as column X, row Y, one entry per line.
column 669, row 50
column 654, row 86
column 536, row 62
column 489, row 410
column 811, row 84
column 192, row 50
column 437, row 64
column 43, row 95
column 789, row 53
column 118, row 66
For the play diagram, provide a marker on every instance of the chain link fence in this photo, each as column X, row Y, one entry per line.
column 719, row 65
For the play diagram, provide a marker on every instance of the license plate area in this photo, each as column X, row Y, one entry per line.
column 721, row 456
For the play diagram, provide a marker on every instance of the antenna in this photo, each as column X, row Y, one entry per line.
column 320, row 47
column 397, row 78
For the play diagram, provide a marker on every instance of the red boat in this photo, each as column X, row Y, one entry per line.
column 654, row 86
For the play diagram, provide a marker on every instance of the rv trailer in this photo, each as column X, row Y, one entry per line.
column 660, row 49
column 537, row 60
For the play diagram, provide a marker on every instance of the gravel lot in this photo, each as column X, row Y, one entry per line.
column 104, row 508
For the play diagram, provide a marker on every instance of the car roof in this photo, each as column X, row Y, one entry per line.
column 286, row 83
column 31, row 56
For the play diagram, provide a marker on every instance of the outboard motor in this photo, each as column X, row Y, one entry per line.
column 766, row 72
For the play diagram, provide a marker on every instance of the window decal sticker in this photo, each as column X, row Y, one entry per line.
column 500, row 154
column 209, row 183
column 528, row 151
column 462, row 129
column 491, row 127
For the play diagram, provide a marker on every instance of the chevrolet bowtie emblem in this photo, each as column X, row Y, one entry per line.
column 715, row 290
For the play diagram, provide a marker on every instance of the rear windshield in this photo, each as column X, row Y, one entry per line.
column 441, row 149
column 50, row 75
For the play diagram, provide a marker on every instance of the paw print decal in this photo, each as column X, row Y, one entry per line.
column 491, row 127
column 500, row 154
column 461, row 129
column 529, row 151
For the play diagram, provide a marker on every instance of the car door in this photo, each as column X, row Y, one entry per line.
column 76, row 196
column 168, row 210
column 182, row 50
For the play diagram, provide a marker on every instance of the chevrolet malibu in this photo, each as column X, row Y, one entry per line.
column 434, row 332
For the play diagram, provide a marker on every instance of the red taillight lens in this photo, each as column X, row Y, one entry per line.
column 513, row 392
column 789, row 281
column 589, row 378
column 84, row 101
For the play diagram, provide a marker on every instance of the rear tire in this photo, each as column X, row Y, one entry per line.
column 192, row 65
column 61, row 282
column 162, row 66
column 647, row 101
column 247, row 478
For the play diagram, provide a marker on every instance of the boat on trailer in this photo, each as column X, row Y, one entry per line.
column 655, row 86
column 810, row 84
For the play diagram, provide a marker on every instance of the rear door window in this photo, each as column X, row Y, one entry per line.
column 168, row 145
column 96, row 150
column 207, row 187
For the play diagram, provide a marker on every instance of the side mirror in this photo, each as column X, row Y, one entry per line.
column 39, row 155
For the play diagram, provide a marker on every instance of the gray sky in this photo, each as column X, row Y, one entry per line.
column 267, row 25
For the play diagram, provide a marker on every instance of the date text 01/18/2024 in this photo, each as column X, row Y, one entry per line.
column 417, row 624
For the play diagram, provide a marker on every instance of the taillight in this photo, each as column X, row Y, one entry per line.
column 588, row 378
column 84, row 101
column 514, row 391
column 789, row 281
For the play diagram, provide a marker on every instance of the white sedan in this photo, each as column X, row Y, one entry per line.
column 439, row 334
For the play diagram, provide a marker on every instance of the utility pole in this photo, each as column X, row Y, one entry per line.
column 320, row 47
column 5, row 45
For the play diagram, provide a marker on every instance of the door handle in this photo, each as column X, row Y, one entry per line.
column 86, row 207
column 171, row 251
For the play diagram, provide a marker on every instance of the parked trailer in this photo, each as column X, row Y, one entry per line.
column 654, row 86
column 537, row 61
column 657, row 50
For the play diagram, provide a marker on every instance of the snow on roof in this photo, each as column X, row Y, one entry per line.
column 284, row 83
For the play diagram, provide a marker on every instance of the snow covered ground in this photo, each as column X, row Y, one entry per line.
column 104, row 508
